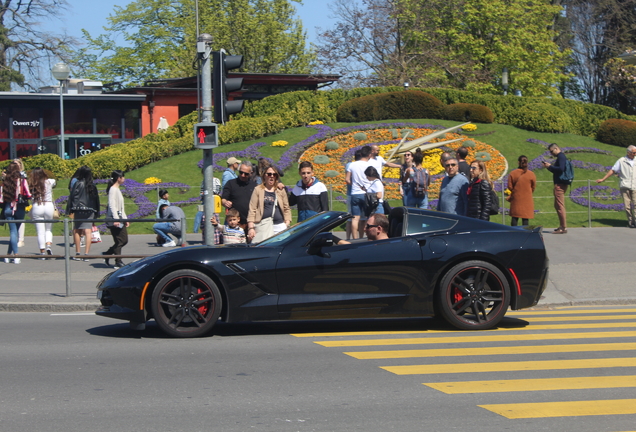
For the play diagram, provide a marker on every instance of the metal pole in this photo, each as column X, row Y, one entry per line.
column 589, row 203
column 61, row 150
column 208, row 175
column 67, row 258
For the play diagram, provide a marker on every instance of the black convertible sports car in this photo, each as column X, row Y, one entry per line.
column 466, row 270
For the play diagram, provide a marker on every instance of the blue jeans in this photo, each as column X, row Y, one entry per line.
column 413, row 201
column 13, row 228
column 163, row 229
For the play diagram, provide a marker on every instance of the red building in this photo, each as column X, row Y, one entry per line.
column 95, row 119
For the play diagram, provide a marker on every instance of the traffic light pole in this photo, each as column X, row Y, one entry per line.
column 205, row 50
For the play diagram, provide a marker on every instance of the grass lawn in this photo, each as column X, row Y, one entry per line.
column 510, row 141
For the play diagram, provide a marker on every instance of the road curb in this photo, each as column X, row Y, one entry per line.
column 48, row 307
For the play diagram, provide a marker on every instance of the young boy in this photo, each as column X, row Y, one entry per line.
column 232, row 232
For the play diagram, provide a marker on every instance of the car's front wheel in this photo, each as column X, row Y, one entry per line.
column 473, row 295
column 186, row 303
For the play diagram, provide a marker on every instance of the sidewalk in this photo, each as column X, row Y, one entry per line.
column 587, row 266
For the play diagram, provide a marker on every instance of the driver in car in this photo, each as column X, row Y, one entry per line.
column 377, row 227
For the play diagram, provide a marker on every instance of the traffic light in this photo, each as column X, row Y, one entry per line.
column 222, row 86
column 205, row 136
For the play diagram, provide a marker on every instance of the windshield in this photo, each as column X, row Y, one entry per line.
column 312, row 224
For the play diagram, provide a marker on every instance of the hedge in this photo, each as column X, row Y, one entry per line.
column 617, row 132
column 464, row 112
column 540, row 117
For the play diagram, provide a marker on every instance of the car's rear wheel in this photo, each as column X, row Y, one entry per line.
column 186, row 303
column 473, row 295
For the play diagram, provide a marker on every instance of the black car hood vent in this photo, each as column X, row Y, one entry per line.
column 245, row 275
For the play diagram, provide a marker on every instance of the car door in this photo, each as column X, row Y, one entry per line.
column 362, row 279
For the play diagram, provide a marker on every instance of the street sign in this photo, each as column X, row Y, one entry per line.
column 205, row 136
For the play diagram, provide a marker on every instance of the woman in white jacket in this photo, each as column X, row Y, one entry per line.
column 42, row 189
column 116, row 211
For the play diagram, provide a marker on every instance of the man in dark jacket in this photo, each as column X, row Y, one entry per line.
column 238, row 192
column 557, row 168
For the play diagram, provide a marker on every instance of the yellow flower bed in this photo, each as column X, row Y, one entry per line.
column 279, row 143
column 313, row 123
column 469, row 127
column 496, row 165
column 152, row 180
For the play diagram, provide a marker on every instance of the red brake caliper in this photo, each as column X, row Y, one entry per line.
column 203, row 309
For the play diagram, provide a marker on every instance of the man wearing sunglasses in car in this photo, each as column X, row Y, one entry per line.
column 453, row 197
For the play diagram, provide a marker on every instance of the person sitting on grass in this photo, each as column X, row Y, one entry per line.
column 232, row 232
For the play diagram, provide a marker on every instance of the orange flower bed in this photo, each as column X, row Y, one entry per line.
column 496, row 165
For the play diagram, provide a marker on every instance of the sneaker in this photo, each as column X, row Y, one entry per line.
column 118, row 265
column 7, row 260
column 48, row 250
column 43, row 254
column 77, row 257
column 82, row 242
column 85, row 259
column 106, row 260
column 169, row 244
column 16, row 261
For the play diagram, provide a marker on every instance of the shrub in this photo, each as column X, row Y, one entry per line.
column 392, row 105
column 360, row 136
column 464, row 112
column 321, row 159
column 469, row 143
column 617, row 132
column 332, row 145
column 541, row 117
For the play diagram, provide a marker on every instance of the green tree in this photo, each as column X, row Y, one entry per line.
column 463, row 44
column 159, row 39
column 24, row 49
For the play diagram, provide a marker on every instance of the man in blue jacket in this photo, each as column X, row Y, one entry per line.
column 560, row 187
column 453, row 194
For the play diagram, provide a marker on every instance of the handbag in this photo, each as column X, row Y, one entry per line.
column 265, row 228
column 494, row 203
column 23, row 201
column 371, row 202
column 95, row 236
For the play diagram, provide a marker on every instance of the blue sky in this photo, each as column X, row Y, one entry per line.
column 91, row 15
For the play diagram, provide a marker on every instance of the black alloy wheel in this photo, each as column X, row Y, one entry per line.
column 186, row 303
column 473, row 295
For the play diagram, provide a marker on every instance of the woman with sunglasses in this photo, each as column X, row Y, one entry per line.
column 269, row 211
column 406, row 182
column 479, row 201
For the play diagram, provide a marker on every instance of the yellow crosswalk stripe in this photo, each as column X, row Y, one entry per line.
column 502, row 329
column 564, row 409
column 565, row 312
column 476, row 337
column 483, row 351
column 537, row 384
column 580, row 318
column 453, row 368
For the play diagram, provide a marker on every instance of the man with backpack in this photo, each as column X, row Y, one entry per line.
column 562, row 176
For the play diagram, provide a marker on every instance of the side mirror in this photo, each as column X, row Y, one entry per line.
column 322, row 240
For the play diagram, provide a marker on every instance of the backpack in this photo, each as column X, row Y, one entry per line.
column 494, row 202
column 567, row 176
column 420, row 180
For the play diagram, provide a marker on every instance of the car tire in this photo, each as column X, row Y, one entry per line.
column 186, row 303
column 473, row 295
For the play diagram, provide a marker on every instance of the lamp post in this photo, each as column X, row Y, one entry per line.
column 61, row 73
column 504, row 80
column 406, row 86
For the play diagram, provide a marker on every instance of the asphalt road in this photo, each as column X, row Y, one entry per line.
column 573, row 369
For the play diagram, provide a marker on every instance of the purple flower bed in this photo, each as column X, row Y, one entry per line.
column 579, row 196
column 135, row 191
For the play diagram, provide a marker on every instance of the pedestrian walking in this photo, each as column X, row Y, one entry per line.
column 83, row 203
column 14, row 194
column 116, row 210
column 42, row 189
column 624, row 169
